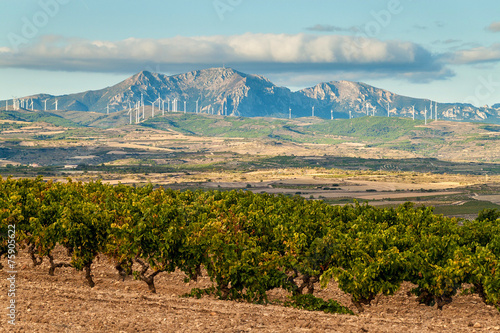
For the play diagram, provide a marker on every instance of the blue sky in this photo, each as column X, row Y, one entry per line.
column 448, row 51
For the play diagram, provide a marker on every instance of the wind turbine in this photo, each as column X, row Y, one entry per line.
column 413, row 106
column 289, row 113
column 197, row 105
column 152, row 109
column 431, row 111
column 45, row 105
column 350, row 114
column 313, row 111
column 331, row 112
column 56, row 104
column 225, row 109
column 388, row 109
column 138, row 112
column 142, row 104
column 32, row 104
column 130, row 113
column 184, row 106
column 107, row 109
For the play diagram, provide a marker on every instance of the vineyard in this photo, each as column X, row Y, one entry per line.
column 249, row 244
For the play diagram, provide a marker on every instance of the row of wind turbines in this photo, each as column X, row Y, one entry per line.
column 367, row 111
column 27, row 104
column 173, row 106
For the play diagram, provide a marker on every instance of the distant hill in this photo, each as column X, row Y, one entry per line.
column 227, row 91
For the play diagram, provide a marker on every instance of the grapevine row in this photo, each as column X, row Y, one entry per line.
column 252, row 243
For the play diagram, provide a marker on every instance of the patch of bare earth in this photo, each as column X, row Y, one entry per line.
column 63, row 303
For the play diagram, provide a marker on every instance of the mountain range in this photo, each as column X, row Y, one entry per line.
column 227, row 91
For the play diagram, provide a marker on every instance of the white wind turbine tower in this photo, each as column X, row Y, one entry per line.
column 331, row 113
column 289, row 113
column 350, row 114
column 45, row 105
column 107, row 109
column 142, row 104
column 56, row 104
column 130, row 113
column 225, row 109
column 313, row 111
column 388, row 109
column 152, row 109
column 413, row 107
column 184, row 106
column 430, row 111
column 138, row 112
column 197, row 105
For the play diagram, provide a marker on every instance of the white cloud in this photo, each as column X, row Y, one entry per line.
column 494, row 27
column 478, row 54
column 258, row 52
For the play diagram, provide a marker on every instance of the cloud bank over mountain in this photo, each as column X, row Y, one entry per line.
column 266, row 53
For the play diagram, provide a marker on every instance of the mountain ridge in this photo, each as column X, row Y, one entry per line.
column 228, row 91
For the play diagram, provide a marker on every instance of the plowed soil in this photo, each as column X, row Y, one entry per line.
column 63, row 303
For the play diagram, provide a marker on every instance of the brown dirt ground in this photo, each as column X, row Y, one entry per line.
column 63, row 303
